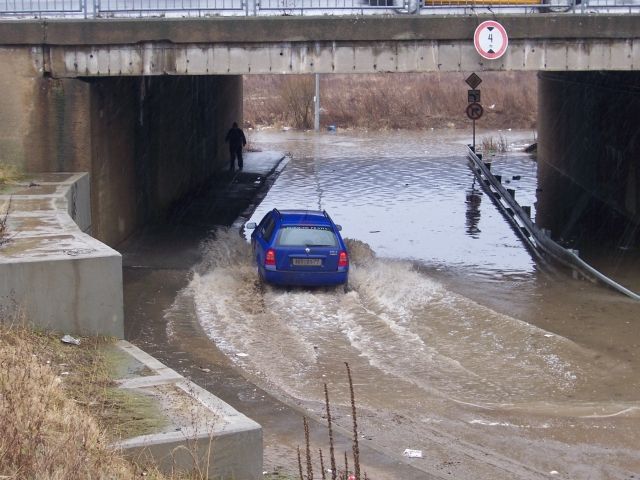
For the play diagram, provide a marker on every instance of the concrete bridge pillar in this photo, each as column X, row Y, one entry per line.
column 146, row 141
column 589, row 155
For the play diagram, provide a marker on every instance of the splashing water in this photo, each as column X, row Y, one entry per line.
column 397, row 322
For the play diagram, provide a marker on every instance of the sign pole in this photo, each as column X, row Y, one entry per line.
column 474, row 136
column 316, row 100
column 474, row 109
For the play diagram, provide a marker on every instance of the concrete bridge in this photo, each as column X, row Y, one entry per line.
column 143, row 104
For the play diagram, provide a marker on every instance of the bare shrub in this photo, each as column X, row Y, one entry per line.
column 297, row 95
column 345, row 474
column 495, row 145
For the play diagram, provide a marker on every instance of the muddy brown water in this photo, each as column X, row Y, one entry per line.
column 460, row 345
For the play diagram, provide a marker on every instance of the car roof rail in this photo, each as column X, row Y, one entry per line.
column 326, row 215
column 277, row 212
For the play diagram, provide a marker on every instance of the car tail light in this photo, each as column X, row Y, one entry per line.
column 270, row 257
column 343, row 260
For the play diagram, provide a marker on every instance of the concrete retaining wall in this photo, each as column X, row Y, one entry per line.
column 51, row 273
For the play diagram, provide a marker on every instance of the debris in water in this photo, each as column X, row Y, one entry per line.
column 374, row 231
column 240, row 354
column 69, row 339
column 412, row 453
column 205, row 370
column 548, row 335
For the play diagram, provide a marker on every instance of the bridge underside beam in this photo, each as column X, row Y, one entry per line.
column 335, row 57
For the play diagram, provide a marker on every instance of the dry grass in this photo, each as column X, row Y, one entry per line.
column 8, row 174
column 4, row 217
column 59, row 412
column 45, row 432
column 393, row 101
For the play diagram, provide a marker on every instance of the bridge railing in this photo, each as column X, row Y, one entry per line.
column 190, row 8
column 42, row 8
column 302, row 7
column 134, row 8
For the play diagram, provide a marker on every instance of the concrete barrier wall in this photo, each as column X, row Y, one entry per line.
column 81, row 296
column 51, row 273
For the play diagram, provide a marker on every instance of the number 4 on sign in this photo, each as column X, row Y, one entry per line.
column 490, row 40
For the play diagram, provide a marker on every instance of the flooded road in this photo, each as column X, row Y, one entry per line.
column 460, row 346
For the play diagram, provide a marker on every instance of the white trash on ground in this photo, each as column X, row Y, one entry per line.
column 70, row 339
column 412, row 453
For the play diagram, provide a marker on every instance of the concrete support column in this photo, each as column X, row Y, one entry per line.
column 589, row 155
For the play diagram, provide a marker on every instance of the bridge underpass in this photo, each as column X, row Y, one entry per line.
column 143, row 104
column 139, row 136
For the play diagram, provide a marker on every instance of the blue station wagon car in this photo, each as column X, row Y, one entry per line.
column 299, row 247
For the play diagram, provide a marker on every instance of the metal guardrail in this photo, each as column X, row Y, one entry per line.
column 537, row 241
column 189, row 8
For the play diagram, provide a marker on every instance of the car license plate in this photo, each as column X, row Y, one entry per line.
column 307, row 262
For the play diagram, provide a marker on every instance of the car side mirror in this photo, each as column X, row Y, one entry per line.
column 250, row 225
column 339, row 228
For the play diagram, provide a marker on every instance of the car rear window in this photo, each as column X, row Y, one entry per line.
column 307, row 236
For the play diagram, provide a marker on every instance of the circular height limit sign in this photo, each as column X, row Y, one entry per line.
column 490, row 40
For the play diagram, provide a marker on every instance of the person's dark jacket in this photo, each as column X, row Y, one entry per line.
column 235, row 137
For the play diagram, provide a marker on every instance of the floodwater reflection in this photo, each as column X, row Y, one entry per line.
column 473, row 201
